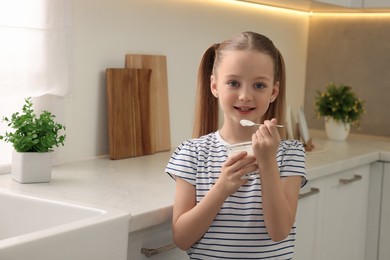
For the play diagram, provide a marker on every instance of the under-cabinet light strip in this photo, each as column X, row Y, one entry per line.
column 307, row 13
column 266, row 7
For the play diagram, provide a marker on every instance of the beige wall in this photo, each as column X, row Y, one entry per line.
column 354, row 51
column 104, row 31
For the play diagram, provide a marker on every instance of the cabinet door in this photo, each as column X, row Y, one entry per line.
column 374, row 210
column 307, row 243
column 154, row 243
column 384, row 233
column 344, row 215
column 376, row 4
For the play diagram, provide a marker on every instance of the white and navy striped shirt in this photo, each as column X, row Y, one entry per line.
column 238, row 231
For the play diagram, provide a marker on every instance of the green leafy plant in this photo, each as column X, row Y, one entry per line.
column 32, row 133
column 339, row 102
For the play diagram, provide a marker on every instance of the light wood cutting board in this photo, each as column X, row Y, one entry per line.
column 159, row 106
column 130, row 122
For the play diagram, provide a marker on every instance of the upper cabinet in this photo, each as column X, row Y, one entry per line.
column 344, row 3
column 351, row 6
column 376, row 4
column 358, row 3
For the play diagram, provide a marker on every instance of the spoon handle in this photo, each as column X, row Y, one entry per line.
column 278, row 126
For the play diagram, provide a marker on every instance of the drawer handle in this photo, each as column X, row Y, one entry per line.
column 309, row 193
column 354, row 178
column 148, row 252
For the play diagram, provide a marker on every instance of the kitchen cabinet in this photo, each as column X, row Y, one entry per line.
column 154, row 243
column 384, row 231
column 344, row 214
column 374, row 209
column 359, row 4
column 345, row 3
column 331, row 220
column 307, row 222
column 330, row 5
column 376, row 4
column 378, row 226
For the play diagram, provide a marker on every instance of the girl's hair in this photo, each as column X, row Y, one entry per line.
column 206, row 115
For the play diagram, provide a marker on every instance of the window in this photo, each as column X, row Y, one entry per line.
column 34, row 56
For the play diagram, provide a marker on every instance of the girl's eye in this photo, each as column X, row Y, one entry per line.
column 233, row 83
column 259, row 85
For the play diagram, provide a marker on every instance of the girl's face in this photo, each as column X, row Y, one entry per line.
column 244, row 84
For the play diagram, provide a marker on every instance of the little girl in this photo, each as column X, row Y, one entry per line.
column 218, row 213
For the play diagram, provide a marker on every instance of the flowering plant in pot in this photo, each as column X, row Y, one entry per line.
column 341, row 107
column 33, row 140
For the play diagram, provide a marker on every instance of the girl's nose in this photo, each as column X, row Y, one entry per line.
column 245, row 94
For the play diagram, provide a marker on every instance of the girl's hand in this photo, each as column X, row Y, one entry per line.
column 235, row 167
column 265, row 141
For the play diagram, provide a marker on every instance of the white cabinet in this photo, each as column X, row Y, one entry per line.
column 356, row 4
column 307, row 222
column 331, row 222
column 344, row 215
column 156, row 242
column 376, row 4
column 374, row 209
column 318, row 5
column 344, row 3
column 384, row 231
column 378, row 226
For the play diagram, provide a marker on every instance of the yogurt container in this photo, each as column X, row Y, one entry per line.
column 235, row 148
column 246, row 146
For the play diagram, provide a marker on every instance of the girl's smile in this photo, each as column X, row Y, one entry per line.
column 244, row 110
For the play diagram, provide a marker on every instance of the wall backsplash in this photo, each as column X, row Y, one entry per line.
column 354, row 51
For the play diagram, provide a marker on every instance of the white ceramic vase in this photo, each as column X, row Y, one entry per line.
column 335, row 130
column 31, row 167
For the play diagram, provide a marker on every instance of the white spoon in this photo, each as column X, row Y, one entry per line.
column 245, row 122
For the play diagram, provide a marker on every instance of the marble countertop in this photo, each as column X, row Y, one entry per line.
column 140, row 187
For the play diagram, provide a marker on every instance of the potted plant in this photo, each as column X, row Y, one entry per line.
column 341, row 107
column 33, row 140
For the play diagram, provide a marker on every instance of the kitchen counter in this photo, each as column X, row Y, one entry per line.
column 140, row 187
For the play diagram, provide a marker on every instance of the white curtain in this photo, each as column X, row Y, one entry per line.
column 34, row 55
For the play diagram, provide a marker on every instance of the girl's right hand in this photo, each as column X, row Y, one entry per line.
column 233, row 169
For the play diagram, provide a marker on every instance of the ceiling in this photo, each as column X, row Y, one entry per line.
column 317, row 7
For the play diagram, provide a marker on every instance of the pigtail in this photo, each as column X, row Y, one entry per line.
column 276, row 108
column 206, row 105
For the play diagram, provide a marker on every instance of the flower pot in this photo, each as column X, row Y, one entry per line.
column 335, row 130
column 31, row 167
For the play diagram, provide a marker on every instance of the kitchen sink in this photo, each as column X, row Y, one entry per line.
column 38, row 228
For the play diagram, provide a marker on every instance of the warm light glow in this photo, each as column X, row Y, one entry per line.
column 306, row 13
column 266, row 7
column 374, row 15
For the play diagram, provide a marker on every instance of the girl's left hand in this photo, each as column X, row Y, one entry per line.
column 265, row 141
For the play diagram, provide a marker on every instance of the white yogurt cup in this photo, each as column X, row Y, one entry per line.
column 236, row 148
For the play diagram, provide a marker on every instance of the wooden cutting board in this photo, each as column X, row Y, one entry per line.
column 158, row 95
column 130, row 117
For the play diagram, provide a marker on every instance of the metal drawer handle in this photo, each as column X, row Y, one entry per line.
column 309, row 193
column 354, row 178
column 148, row 252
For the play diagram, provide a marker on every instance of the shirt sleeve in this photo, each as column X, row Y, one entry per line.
column 291, row 159
column 183, row 162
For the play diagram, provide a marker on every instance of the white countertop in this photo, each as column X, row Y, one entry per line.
column 140, row 187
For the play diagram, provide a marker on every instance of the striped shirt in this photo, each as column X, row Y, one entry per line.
column 238, row 231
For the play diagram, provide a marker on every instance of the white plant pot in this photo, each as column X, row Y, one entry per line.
column 31, row 167
column 337, row 131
